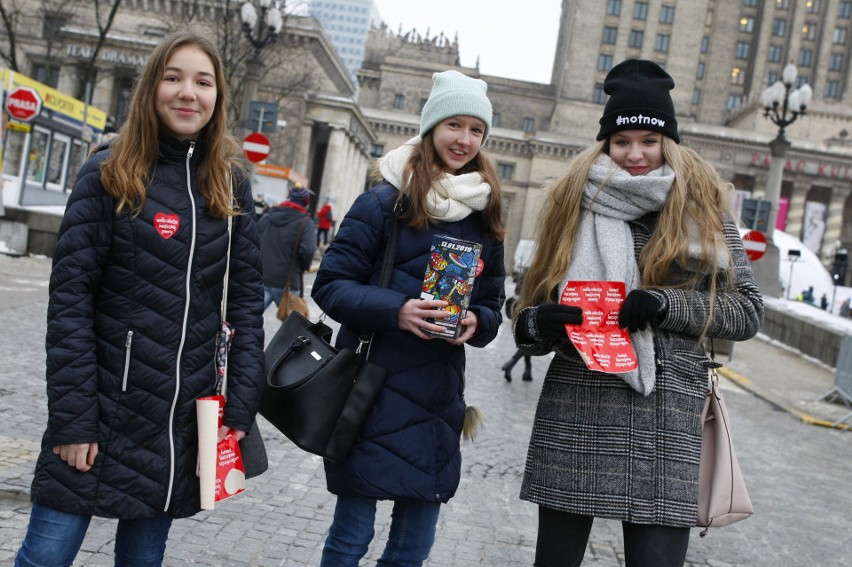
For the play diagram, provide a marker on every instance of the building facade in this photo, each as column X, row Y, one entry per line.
column 319, row 136
column 719, row 74
column 721, row 53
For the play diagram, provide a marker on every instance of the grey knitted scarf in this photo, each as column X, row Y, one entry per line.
column 603, row 245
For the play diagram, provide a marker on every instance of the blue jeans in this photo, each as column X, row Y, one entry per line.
column 54, row 538
column 271, row 294
column 412, row 532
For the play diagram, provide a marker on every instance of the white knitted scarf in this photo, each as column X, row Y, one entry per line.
column 603, row 246
column 452, row 198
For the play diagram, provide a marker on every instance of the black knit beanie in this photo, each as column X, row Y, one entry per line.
column 639, row 99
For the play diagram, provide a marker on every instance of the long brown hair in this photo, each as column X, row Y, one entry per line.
column 423, row 171
column 126, row 172
column 697, row 192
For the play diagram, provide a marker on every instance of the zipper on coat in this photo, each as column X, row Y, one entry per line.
column 127, row 344
column 182, row 331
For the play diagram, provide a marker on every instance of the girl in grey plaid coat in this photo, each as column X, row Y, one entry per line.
column 635, row 207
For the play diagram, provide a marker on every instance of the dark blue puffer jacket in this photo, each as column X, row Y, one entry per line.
column 409, row 447
column 133, row 312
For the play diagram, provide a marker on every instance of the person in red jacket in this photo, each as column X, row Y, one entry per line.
column 325, row 218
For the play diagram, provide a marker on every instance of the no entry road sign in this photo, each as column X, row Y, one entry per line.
column 256, row 147
column 755, row 244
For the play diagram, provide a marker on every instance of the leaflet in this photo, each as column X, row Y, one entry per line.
column 602, row 344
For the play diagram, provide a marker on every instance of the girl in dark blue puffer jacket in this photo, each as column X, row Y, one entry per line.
column 408, row 450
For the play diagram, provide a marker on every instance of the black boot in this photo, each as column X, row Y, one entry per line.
column 507, row 370
column 527, row 370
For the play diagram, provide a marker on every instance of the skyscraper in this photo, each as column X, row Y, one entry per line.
column 346, row 23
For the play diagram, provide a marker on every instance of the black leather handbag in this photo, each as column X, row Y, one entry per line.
column 316, row 395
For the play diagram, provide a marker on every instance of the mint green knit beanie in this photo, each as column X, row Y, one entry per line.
column 455, row 94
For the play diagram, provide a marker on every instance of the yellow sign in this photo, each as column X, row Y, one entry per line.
column 57, row 101
column 19, row 127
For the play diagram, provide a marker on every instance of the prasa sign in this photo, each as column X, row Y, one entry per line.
column 23, row 103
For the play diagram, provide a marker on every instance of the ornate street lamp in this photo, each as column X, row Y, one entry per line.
column 260, row 30
column 782, row 105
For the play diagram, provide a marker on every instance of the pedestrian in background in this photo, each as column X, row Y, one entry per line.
column 325, row 218
column 638, row 208
column 408, row 450
column 135, row 297
column 519, row 354
column 286, row 244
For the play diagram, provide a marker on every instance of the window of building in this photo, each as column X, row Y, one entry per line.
column 844, row 10
column 779, row 27
column 495, row 120
column 747, row 24
column 696, row 96
column 831, row 89
column 422, row 104
column 773, row 77
column 742, row 49
column 528, row 124
column 506, row 170
column 610, row 34
column 782, row 4
column 599, row 96
column 835, row 62
column 640, row 11
column 705, row 44
column 734, row 101
column 604, row 62
column 839, row 36
column 737, row 76
column 661, row 43
column 399, row 101
column 750, row 3
column 805, row 57
column 377, row 150
column 812, row 6
column 667, row 14
column 699, row 71
column 52, row 24
column 809, row 30
column 636, row 38
column 773, row 55
column 613, row 7
column 47, row 75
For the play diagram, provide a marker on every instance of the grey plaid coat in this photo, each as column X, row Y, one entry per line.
column 599, row 448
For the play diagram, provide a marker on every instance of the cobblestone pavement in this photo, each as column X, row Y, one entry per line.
column 798, row 474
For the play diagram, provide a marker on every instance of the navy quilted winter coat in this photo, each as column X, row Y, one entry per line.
column 133, row 312
column 409, row 446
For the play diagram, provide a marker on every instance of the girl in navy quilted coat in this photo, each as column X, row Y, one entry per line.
column 636, row 208
column 134, row 308
column 408, row 450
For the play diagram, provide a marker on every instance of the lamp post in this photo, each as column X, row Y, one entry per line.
column 260, row 30
column 782, row 105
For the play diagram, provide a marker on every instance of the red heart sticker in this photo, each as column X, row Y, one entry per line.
column 166, row 225
column 480, row 265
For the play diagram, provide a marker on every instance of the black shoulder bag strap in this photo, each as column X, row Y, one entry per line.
column 364, row 341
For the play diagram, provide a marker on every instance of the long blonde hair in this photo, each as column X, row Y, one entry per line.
column 697, row 191
column 127, row 171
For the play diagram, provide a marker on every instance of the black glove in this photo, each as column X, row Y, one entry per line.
column 547, row 322
column 639, row 309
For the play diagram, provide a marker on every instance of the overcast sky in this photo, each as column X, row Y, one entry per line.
column 512, row 38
